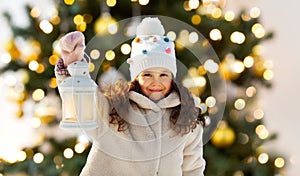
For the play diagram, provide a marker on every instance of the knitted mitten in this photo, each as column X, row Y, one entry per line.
column 72, row 47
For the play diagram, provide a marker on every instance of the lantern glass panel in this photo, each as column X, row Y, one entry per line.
column 88, row 107
column 70, row 107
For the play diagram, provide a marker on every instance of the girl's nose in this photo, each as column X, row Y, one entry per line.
column 156, row 79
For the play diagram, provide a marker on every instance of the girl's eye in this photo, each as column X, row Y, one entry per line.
column 147, row 75
column 164, row 75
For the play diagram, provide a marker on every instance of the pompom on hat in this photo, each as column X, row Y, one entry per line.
column 151, row 48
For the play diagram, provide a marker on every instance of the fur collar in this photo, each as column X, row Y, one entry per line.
column 171, row 100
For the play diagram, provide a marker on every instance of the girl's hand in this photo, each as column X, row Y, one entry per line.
column 72, row 47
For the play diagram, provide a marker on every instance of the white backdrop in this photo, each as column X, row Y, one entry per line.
column 281, row 103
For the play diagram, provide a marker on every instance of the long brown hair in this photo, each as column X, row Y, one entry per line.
column 184, row 117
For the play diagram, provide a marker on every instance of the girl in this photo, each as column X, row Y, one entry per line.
column 150, row 126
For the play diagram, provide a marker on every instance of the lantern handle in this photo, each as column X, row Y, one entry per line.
column 87, row 57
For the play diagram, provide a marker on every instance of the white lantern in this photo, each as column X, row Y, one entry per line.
column 79, row 98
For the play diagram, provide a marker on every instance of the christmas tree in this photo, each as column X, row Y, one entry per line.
column 236, row 146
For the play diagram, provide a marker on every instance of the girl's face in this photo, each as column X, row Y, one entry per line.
column 155, row 83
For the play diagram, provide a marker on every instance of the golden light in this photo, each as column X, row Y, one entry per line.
column 238, row 66
column 255, row 12
column 248, row 61
column 95, row 54
column 229, row 16
column 55, row 20
column 40, row 69
column 210, row 101
column 239, row 104
column 33, row 57
column 110, row 55
column 268, row 74
column 250, row 91
column 91, row 67
column 21, row 156
column 171, row 35
column 196, row 19
column 237, row 37
column 186, row 6
column 38, row 94
column 143, row 2
column 263, row 158
column 46, row 26
column 211, row 66
column 111, row 3
column 69, row 2
column 216, row 13
column 193, row 72
column 207, row 2
column 59, row 166
column 279, row 162
column 200, row 81
column 258, row 30
column 262, row 131
column 5, row 58
column 38, row 158
column 53, row 83
column 33, row 65
column 201, row 70
column 12, row 49
column 215, row 34
column 81, row 27
column 79, row 148
column 68, row 153
column 53, row 59
column 35, row 12
column 193, row 4
column 245, row 17
column 258, row 114
column 259, row 67
column 125, row 48
column 193, row 37
column 80, row 23
column 35, row 122
column 102, row 24
column 78, row 19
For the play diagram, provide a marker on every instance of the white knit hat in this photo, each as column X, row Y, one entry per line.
column 151, row 48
